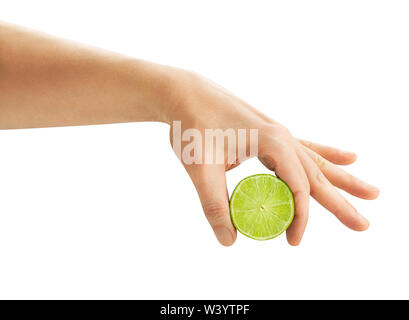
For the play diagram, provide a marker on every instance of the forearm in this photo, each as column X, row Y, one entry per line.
column 47, row 82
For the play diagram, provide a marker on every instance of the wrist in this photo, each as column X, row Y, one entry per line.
column 154, row 90
column 179, row 94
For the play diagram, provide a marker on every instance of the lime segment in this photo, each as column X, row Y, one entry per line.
column 262, row 206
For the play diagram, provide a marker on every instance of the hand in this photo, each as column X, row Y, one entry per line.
column 308, row 168
column 78, row 85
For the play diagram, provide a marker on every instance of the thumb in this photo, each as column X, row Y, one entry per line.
column 210, row 183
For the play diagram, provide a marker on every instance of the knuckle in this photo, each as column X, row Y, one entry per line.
column 301, row 194
column 319, row 178
column 351, row 180
column 308, row 144
column 215, row 211
column 281, row 130
column 280, row 145
column 337, row 211
column 354, row 182
column 277, row 138
column 344, row 209
column 305, row 185
column 277, row 130
column 318, row 181
column 320, row 161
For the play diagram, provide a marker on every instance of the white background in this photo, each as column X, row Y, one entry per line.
column 108, row 212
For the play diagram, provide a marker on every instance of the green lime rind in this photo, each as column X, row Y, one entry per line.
column 262, row 206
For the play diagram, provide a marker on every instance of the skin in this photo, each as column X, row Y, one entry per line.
column 47, row 82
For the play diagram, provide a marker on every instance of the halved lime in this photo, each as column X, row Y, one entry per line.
column 262, row 206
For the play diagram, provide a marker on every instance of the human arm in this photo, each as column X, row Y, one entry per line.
column 47, row 82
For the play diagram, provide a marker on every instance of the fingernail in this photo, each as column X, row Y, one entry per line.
column 365, row 223
column 371, row 187
column 224, row 236
column 349, row 153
